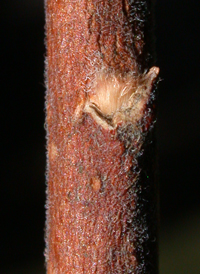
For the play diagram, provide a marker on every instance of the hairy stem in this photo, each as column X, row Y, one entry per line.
column 101, row 203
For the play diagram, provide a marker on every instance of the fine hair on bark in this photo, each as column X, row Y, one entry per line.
column 100, row 116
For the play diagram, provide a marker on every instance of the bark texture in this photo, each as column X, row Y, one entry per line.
column 101, row 195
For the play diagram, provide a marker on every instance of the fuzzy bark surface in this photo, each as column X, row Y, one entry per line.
column 101, row 195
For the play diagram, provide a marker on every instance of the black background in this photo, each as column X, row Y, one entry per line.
column 23, row 136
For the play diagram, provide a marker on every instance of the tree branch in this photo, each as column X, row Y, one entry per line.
column 101, row 206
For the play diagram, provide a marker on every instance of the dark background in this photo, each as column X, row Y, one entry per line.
column 23, row 136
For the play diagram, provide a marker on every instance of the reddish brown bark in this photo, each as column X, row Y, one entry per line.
column 101, row 206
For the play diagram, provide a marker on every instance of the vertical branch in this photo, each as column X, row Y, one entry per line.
column 101, row 204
